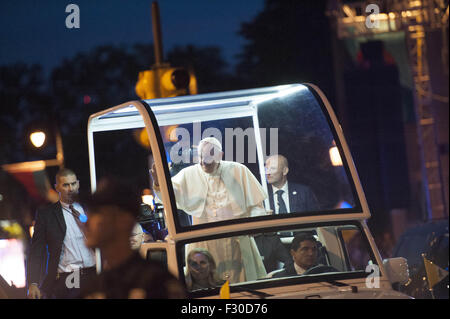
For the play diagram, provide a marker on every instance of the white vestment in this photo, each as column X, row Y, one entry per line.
column 230, row 192
column 244, row 191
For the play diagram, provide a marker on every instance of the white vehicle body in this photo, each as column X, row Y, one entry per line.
column 328, row 224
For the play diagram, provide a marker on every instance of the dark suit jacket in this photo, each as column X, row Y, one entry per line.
column 46, row 245
column 301, row 198
column 273, row 251
column 289, row 270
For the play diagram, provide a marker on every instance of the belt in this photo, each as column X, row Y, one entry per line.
column 82, row 271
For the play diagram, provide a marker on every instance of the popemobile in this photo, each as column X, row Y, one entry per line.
column 247, row 194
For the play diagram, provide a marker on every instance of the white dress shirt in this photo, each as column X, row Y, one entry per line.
column 299, row 269
column 284, row 196
column 74, row 253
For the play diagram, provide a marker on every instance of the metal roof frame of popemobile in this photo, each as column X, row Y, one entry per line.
column 207, row 107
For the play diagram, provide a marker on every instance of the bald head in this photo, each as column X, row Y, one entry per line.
column 137, row 237
column 277, row 169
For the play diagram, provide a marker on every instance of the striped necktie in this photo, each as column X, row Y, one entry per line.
column 76, row 215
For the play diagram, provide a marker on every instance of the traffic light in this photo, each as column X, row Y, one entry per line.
column 174, row 82
column 165, row 82
column 145, row 86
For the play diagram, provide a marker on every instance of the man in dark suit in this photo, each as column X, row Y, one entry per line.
column 289, row 196
column 304, row 252
column 58, row 245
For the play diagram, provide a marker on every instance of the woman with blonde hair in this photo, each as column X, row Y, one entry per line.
column 201, row 270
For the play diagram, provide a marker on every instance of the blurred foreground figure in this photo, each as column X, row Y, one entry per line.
column 112, row 211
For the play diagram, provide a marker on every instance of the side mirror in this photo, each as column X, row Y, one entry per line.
column 397, row 270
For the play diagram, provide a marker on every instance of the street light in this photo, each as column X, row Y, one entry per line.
column 32, row 174
column 37, row 138
column 44, row 132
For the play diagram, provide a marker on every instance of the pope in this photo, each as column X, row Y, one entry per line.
column 215, row 190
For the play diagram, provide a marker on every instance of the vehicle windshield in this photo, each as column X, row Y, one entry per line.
column 270, row 256
column 229, row 157
column 273, row 156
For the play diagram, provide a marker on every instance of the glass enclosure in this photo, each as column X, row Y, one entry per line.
column 339, row 250
column 232, row 157
column 271, row 157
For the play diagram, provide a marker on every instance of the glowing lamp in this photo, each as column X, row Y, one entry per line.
column 335, row 156
column 37, row 138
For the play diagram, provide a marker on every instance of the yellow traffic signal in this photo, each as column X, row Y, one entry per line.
column 174, row 82
column 192, row 83
column 165, row 82
column 146, row 87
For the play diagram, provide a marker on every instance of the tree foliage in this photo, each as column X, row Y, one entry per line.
column 84, row 84
column 23, row 99
column 96, row 80
column 208, row 66
column 289, row 41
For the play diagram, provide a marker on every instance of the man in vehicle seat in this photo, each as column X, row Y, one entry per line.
column 304, row 252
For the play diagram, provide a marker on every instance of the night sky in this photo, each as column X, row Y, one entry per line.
column 33, row 31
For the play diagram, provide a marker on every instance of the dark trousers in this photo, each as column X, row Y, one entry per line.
column 68, row 285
